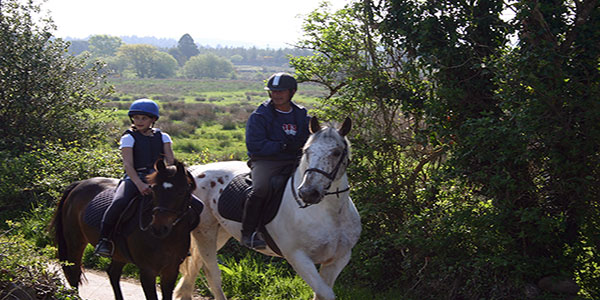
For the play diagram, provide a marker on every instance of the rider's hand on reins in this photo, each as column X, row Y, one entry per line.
column 145, row 189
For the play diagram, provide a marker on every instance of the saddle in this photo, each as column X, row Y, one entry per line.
column 237, row 192
column 96, row 208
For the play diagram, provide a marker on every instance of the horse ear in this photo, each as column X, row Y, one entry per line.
column 191, row 181
column 345, row 127
column 160, row 165
column 180, row 168
column 314, row 125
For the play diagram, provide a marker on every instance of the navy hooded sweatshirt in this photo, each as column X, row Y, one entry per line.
column 266, row 136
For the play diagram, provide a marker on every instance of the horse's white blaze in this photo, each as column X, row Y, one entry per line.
column 167, row 185
column 322, row 233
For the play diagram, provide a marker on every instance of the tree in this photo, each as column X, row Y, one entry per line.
column 186, row 48
column 518, row 127
column 207, row 65
column 147, row 61
column 104, row 45
column 77, row 47
column 163, row 65
column 236, row 59
column 390, row 152
column 176, row 53
column 45, row 95
column 526, row 117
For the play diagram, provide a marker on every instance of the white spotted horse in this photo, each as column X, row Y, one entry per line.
column 316, row 222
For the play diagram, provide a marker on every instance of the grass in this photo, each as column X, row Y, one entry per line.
column 217, row 142
column 252, row 277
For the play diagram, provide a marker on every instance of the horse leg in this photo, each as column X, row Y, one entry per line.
column 148, row 280
column 305, row 267
column 206, row 239
column 331, row 271
column 211, row 267
column 189, row 270
column 114, row 274
column 168, row 277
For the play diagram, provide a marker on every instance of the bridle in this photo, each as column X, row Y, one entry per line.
column 329, row 175
column 179, row 213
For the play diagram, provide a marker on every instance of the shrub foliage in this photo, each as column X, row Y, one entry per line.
column 45, row 94
column 476, row 161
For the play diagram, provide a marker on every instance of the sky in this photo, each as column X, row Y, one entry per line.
column 263, row 23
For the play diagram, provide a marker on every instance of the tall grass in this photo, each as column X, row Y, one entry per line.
column 254, row 277
column 250, row 278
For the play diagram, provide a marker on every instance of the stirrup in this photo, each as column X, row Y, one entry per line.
column 255, row 242
column 104, row 250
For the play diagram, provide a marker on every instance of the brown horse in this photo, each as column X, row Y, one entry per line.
column 156, row 249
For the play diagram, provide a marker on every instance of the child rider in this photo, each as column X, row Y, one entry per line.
column 141, row 146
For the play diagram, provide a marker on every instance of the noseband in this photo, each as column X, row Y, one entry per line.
column 331, row 176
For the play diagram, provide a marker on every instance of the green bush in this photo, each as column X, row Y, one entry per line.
column 45, row 95
column 26, row 271
column 31, row 183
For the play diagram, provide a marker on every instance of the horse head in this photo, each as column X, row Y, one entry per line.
column 172, row 187
column 325, row 158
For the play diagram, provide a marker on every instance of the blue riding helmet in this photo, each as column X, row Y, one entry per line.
column 144, row 107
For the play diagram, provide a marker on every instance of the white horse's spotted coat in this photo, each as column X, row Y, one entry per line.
column 323, row 233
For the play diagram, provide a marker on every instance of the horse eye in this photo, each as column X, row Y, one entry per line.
column 337, row 153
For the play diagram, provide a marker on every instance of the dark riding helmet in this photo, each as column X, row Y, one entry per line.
column 281, row 82
column 143, row 107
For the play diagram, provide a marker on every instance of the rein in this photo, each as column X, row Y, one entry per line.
column 331, row 176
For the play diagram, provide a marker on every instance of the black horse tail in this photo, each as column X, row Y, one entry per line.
column 56, row 225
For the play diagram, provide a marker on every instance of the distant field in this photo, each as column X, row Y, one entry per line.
column 206, row 118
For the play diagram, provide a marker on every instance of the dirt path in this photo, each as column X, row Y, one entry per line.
column 98, row 287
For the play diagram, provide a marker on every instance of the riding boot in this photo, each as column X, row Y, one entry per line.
column 105, row 245
column 250, row 219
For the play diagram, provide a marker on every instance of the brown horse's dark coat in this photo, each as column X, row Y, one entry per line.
column 153, row 254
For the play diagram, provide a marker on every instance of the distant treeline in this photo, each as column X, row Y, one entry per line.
column 236, row 54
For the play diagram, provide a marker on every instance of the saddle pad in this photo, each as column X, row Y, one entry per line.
column 95, row 210
column 233, row 198
column 231, row 201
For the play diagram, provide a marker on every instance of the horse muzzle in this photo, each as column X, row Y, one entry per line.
column 160, row 230
column 310, row 195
